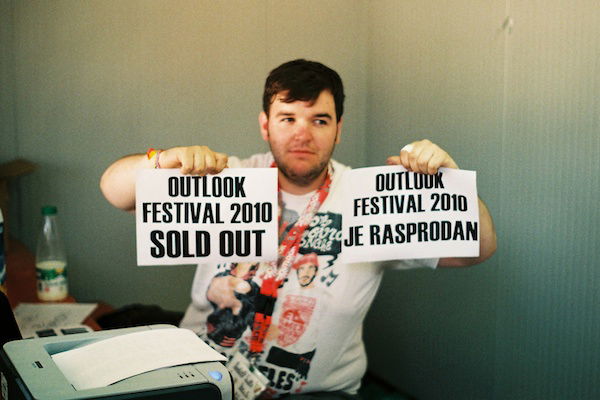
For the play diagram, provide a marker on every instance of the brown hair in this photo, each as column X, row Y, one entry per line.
column 304, row 80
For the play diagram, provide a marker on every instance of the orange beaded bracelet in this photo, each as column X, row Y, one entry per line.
column 154, row 153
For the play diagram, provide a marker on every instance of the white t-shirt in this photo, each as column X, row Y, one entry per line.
column 315, row 339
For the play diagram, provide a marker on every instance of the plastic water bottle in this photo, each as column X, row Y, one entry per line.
column 2, row 257
column 51, row 259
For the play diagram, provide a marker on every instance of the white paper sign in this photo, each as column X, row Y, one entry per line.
column 189, row 219
column 391, row 214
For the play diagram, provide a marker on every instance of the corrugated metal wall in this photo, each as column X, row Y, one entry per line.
column 521, row 106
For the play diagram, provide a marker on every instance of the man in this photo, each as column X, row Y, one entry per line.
column 303, row 341
column 306, row 269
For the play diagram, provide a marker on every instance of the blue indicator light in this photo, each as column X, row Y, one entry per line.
column 216, row 375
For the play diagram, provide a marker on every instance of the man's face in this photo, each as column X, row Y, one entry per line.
column 306, row 274
column 302, row 136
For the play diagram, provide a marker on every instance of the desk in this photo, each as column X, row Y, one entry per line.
column 21, row 282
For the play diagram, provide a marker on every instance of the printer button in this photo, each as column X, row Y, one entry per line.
column 216, row 375
column 71, row 331
column 46, row 333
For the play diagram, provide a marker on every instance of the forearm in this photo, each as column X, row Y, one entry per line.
column 487, row 242
column 487, row 233
column 118, row 181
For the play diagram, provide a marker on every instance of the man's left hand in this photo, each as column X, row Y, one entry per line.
column 423, row 156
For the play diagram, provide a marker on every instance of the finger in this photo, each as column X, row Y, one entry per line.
column 200, row 163
column 448, row 162
column 243, row 287
column 222, row 160
column 209, row 162
column 405, row 154
column 435, row 163
column 227, row 341
column 409, row 147
column 237, row 307
column 393, row 160
column 186, row 159
column 413, row 158
column 424, row 159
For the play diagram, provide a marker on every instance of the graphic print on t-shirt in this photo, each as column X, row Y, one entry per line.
column 291, row 341
column 324, row 238
column 295, row 317
column 231, row 293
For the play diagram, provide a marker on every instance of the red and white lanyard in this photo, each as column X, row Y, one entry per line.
column 277, row 271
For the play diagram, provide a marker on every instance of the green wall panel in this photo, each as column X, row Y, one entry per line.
column 521, row 106
column 548, row 341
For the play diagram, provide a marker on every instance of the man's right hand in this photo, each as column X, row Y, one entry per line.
column 222, row 289
column 195, row 160
column 118, row 181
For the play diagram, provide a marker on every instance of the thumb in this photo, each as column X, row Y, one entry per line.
column 393, row 160
column 237, row 307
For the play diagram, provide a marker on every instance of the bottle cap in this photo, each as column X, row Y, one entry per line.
column 49, row 210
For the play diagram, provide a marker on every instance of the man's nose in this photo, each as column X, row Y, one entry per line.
column 302, row 131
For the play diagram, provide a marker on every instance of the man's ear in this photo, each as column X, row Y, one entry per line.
column 338, row 133
column 263, row 122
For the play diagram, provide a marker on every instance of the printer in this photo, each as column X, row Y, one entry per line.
column 28, row 371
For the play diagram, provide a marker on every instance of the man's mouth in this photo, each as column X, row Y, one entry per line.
column 301, row 152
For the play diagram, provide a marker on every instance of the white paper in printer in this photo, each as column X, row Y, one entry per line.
column 111, row 360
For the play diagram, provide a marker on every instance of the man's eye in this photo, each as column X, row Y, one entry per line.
column 320, row 122
column 289, row 119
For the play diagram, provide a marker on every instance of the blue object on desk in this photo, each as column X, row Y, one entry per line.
column 216, row 375
column 28, row 372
